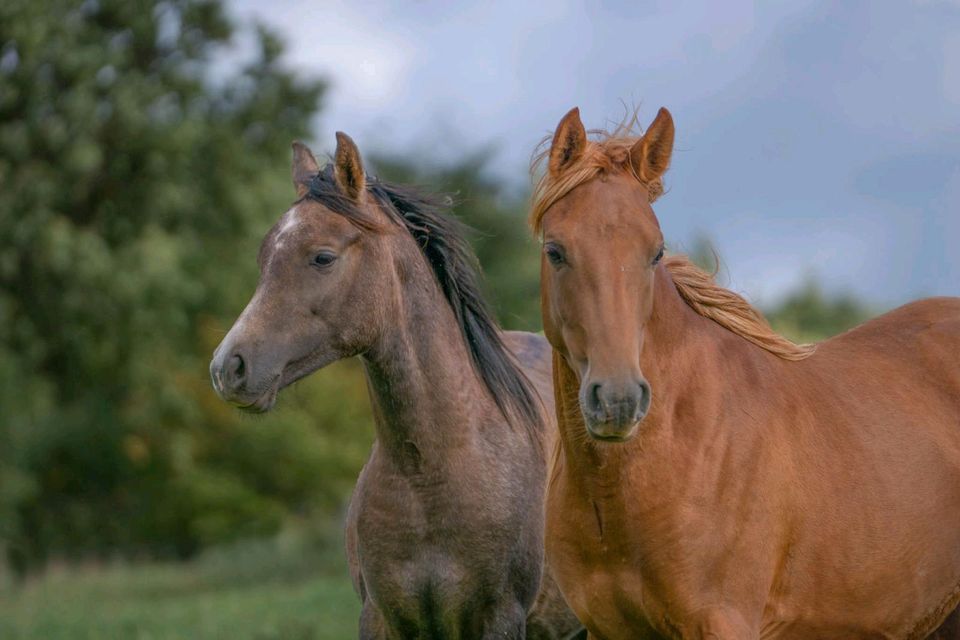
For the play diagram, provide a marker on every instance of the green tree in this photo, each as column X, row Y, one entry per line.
column 136, row 179
column 808, row 314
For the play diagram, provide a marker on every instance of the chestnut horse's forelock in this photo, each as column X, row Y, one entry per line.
column 610, row 153
column 607, row 153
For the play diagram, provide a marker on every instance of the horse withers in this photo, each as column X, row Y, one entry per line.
column 715, row 480
column 445, row 527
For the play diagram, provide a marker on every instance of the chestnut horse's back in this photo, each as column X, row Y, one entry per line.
column 885, row 403
column 920, row 339
column 933, row 318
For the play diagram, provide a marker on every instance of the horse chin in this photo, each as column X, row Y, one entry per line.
column 266, row 400
column 612, row 433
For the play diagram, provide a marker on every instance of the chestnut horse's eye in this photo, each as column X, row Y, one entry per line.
column 659, row 257
column 554, row 254
column 323, row 259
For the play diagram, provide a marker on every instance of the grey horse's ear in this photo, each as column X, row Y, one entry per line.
column 304, row 168
column 650, row 155
column 569, row 142
column 348, row 168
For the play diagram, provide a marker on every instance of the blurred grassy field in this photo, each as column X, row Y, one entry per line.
column 278, row 589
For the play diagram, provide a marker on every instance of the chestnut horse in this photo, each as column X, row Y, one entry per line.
column 445, row 528
column 714, row 480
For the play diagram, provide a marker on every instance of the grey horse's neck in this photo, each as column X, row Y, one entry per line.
column 427, row 397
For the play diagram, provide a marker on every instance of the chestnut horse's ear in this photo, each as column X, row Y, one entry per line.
column 569, row 142
column 348, row 168
column 650, row 155
column 304, row 168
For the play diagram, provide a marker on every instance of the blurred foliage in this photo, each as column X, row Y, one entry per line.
column 809, row 314
column 137, row 177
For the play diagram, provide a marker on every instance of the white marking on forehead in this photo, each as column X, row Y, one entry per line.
column 290, row 223
column 292, row 220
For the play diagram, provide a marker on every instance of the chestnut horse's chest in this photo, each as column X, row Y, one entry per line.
column 687, row 572
column 602, row 582
column 643, row 572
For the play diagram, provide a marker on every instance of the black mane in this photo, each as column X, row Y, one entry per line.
column 442, row 239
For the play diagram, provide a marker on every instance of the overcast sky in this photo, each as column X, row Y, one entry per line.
column 812, row 137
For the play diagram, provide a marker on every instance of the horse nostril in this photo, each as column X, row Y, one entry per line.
column 645, row 396
column 236, row 369
column 593, row 398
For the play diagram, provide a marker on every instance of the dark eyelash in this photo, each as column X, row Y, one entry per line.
column 323, row 259
column 659, row 256
column 555, row 255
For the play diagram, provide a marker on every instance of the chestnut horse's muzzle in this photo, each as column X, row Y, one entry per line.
column 613, row 409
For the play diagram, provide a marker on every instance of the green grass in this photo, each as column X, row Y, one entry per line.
column 259, row 591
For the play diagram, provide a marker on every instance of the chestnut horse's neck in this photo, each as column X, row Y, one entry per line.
column 687, row 359
column 427, row 398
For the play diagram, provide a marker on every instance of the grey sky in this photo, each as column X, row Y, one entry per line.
column 812, row 137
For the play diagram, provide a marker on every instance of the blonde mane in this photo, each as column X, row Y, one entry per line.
column 609, row 152
column 729, row 310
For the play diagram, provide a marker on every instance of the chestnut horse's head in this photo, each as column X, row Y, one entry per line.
column 601, row 247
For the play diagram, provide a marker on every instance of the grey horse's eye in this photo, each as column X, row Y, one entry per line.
column 323, row 259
